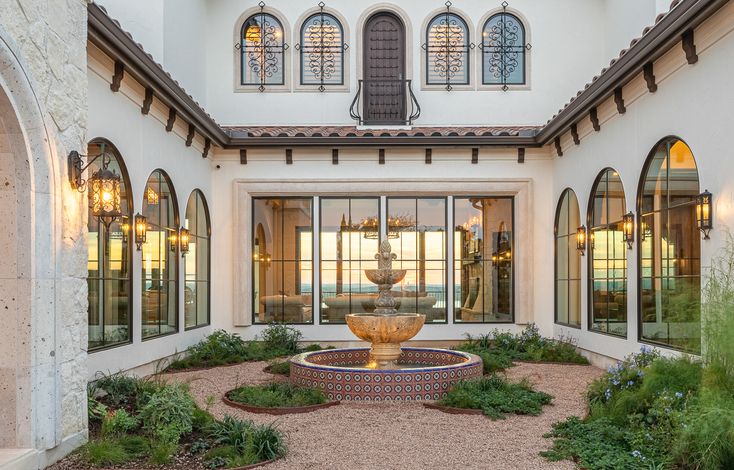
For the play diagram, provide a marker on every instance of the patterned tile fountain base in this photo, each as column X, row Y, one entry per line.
column 428, row 374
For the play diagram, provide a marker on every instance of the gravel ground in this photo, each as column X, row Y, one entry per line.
column 406, row 435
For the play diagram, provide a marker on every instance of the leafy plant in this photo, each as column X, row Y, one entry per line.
column 104, row 452
column 265, row 442
column 496, row 397
column 118, row 422
column 161, row 452
column 280, row 337
column 96, row 411
column 168, row 413
column 277, row 395
column 280, row 367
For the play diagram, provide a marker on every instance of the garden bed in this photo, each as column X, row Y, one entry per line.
column 278, row 410
column 277, row 399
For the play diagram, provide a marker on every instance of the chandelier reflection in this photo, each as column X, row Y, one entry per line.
column 370, row 226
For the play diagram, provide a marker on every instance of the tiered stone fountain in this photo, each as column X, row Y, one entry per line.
column 385, row 371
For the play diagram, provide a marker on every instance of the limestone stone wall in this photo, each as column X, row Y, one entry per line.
column 43, row 75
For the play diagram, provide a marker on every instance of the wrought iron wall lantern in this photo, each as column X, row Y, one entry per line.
column 628, row 229
column 581, row 240
column 184, row 238
column 104, row 185
column 173, row 241
column 141, row 230
column 704, row 213
column 264, row 259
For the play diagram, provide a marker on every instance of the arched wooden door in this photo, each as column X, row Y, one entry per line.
column 384, row 85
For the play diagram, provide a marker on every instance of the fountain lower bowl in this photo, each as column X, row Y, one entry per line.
column 421, row 374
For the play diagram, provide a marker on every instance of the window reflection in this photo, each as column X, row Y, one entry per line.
column 196, row 262
column 282, row 260
column 160, row 258
column 109, row 261
column 608, row 256
column 568, row 261
column 483, row 251
column 670, row 249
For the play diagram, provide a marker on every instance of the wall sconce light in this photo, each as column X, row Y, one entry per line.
column 184, row 237
column 704, row 213
column 173, row 241
column 104, row 185
column 125, row 228
column 628, row 229
column 581, row 239
column 141, row 230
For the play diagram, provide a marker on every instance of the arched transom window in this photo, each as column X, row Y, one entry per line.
column 447, row 50
column 670, row 248
column 322, row 50
column 263, row 48
column 568, row 261
column 504, row 48
column 608, row 258
column 197, row 262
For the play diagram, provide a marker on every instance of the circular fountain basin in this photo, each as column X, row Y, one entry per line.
column 420, row 374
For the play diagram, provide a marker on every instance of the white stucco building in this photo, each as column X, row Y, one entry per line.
column 266, row 147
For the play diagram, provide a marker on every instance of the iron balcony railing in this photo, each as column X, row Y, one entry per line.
column 385, row 102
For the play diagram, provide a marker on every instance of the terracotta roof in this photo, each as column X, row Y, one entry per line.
column 353, row 131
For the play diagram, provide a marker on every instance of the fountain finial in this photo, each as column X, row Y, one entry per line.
column 385, row 256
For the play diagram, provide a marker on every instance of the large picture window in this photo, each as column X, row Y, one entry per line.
column 159, row 306
column 483, row 253
column 504, row 47
column 349, row 240
column 568, row 261
column 282, row 260
column 262, row 50
column 608, row 256
column 670, row 248
column 447, row 51
column 197, row 262
column 109, row 260
column 416, row 229
column 322, row 51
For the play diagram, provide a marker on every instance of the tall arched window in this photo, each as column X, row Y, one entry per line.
column 504, row 48
column 322, row 51
column 197, row 262
column 670, row 248
column 262, row 48
column 447, row 50
column 608, row 256
column 110, row 260
column 568, row 261
column 160, row 257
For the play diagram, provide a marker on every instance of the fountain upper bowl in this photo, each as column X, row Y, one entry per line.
column 381, row 276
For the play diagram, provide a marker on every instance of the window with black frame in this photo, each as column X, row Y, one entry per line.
column 483, row 260
column 282, row 268
column 447, row 49
column 608, row 256
column 568, row 261
column 197, row 262
column 109, row 262
column 159, row 305
column 262, row 48
column 350, row 234
column 670, row 249
column 322, row 49
column 417, row 233
column 504, row 51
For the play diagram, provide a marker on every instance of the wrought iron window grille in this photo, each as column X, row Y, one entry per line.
column 322, row 49
column 448, row 50
column 262, row 49
column 502, row 46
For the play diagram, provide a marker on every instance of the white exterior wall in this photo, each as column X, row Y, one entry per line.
column 694, row 103
column 145, row 146
column 624, row 20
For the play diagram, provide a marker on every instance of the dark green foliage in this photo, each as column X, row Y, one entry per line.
column 136, row 446
column 277, row 395
column 706, row 440
column 280, row 367
column 229, row 457
column 168, row 413
column 121, row 391
column 201, row 420
column 104, row 453
column 162, row 451
column 499, row 349
column 279, row 337
column 118, row 423
column 496, row 397
column 264, row 442
column 96, row 411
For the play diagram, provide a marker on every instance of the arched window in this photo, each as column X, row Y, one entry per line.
column 447, row 51
column 608, row 258
column 504, row 50
column 670, row 248
column 322, row 51
column 160, row 257
column 109, row 261
column 262, row 46
column 568, row 261
column 197, row 262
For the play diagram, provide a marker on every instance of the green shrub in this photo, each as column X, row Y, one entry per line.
column 121, row 391
column 706, row 440
column 281, row 338
column 118, row 422
column 161, row 451
column 104, row 453
column 496, row 397
column 219, row 348
column 280, row 367
column 228, row 457
column 96, row 411
column 268, row 442
column 168, row 413
column 201, row 420
column 277, row 395
column 263, row 441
